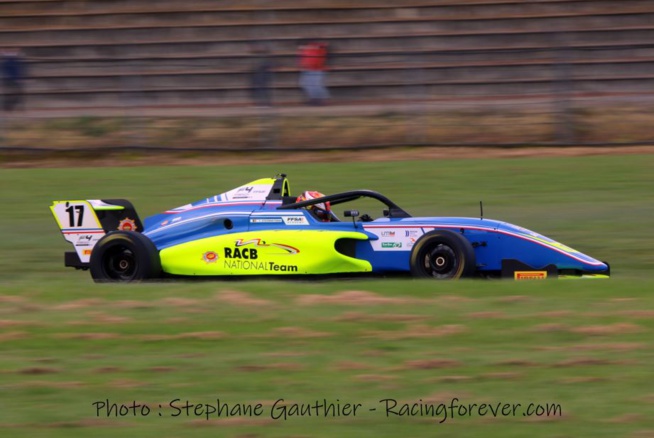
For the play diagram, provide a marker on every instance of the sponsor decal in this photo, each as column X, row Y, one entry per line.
column 295, row 220
column 210, row 257
column 87, row 252
column 177, row 219
column 391, row 245
column 260, row 243
column 411, row 233
column 84, row 240
column 241, row 253
column 388, row 233
column 255, row 265
column 127, row 224
column 530, row 275
column 272, row 220
column 250, row 192
column 164, row 223
column 412, row 241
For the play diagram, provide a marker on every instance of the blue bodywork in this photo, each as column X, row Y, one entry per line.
column 390, row 239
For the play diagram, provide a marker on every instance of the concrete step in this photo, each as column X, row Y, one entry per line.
column 200, row 45
column 446, row 9
column 325, row 30
column 211, row 82
column 362, row 75
column 41, row 68
column 340, row 95
column 460, row 14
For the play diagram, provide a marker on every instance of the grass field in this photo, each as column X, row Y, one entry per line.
column 583, row 345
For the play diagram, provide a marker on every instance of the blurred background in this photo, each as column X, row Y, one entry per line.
column 212, row 74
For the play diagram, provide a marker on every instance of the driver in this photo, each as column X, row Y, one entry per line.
column 321, row 211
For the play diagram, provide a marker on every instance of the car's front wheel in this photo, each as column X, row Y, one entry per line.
column 442, row 255
column 124, row 256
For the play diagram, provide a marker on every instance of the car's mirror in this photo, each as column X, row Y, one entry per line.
column 386, row 213
column 351, row 213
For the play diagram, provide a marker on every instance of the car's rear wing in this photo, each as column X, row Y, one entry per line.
column 83, row 223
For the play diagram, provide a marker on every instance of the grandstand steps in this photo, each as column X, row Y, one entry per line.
column 91, row 52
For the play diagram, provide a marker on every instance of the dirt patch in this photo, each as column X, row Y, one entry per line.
column 619, row 328
column 80, row 304
column 132, row 304
column 430, row 364
column 299, row 333
column 627, row 419
column 416, row 331
column 640, row 314
column 87, row 336
column 617, row 347
column 241, row 299
column 453, row 379
column 9, row 323
column 12, row 299
column 283, row 366
column 104, row 318
column 392, row 317
column 50, row 385
column 443, row 397
column 486, row 315
column 554, row 314
column 583, row 362
column 125, row 383
column 518, row 363
column 206, row 336
column 374, row 378
column 267, row 157
column 108, row 370
column 351, row 298
column 38, row 370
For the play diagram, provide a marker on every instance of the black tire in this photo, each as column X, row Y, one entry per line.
column 443, row 255
column 124, row 256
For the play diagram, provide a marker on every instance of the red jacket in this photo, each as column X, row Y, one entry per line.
column 313, row 57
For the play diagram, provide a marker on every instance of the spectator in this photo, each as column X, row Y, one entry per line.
column 313, row 65
column 261, row 76
column 13, row 74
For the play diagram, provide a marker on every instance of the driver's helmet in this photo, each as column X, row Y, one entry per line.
column 321, row 211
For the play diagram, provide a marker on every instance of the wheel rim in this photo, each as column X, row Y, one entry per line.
column 120, row 263
column 441, row 261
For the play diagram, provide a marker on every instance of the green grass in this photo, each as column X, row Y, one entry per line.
column 585, row 345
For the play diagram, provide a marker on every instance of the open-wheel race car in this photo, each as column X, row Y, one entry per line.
column 260, row 229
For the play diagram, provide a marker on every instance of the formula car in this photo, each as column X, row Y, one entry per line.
column 260, row 229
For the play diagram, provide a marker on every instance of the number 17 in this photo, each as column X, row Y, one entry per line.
column 71, row 210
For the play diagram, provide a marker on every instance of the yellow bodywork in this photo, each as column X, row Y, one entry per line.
column 270, row 252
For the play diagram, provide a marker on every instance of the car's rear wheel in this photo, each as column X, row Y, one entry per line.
column 124, row 256
column 442, row 255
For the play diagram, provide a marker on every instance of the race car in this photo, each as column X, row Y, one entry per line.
column 260, row 229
